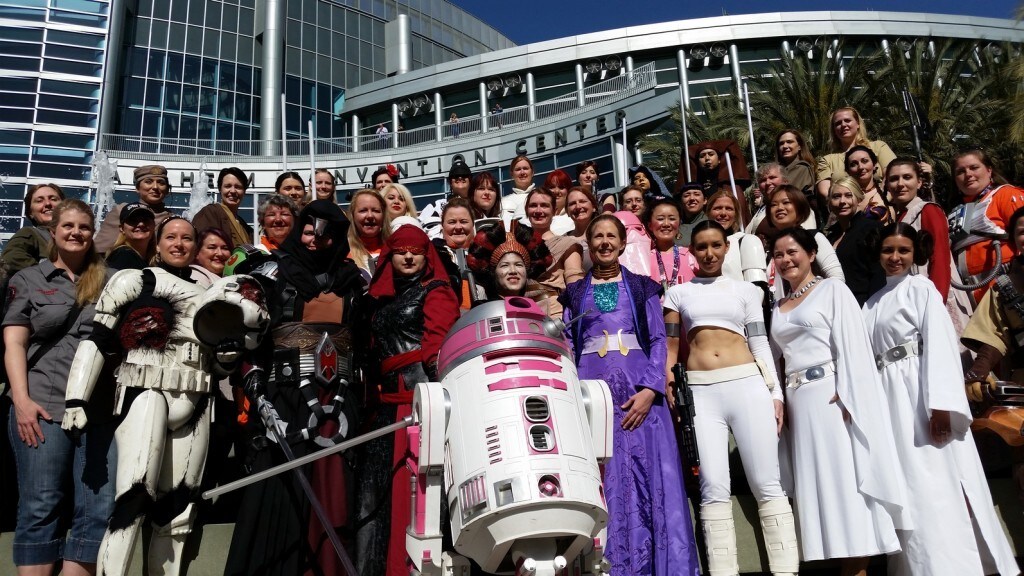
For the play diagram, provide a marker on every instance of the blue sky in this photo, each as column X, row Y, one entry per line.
column 526, row 21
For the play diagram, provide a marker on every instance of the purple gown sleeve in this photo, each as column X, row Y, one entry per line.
column 654, row 375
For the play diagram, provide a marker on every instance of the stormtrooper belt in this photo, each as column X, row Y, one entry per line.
column 908, row 349
column 807, row 375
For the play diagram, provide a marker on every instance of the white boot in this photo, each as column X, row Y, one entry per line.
column 779, row 530
column 720, row 535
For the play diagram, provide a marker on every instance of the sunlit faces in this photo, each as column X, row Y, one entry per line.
column 457, row 227
column 277, row 223
column 897, row 255
column 312, row 242
column 633, row 200
column 588, row 177
column 708, row 159
column 769, row 181
column 902, row 184
column 213, row 254
column 232, row 190
column 522, row 174
column 708, row 247
column 382, row 180
column 510, row 274
column 559, row 193
column 782, row 211
column 408, row 263
column 152, row 190
column 395, row 201
column 292, row 188
column 971, row 175
column 842, row 202
column 1018, row 236
column 788, row 147
column 73, row 232
column 484, row 196
column 177, row 242
column 579, row 207
column 606, row 243
column 664, row 223
column 640, row 181
column 139, row 226
column 723, row 211
column 324, row 185
column 368, row 215
column 792, row 262
column 540, row 211
column 845, row 125
column 693, row 201
column 459, row 186
column 40, row 206
column 860, row 167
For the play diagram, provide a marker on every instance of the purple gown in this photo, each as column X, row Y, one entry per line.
column 649, row 528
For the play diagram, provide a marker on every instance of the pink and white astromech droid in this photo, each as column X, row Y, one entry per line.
column 514, row 439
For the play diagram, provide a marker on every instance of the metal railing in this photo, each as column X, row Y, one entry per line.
column 372, row 144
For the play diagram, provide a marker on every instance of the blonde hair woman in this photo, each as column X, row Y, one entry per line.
column 398, row 201
column 369, row 228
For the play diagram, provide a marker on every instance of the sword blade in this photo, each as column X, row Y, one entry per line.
column 302, row 461
column 266, row 410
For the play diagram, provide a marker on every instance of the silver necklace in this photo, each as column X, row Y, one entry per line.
column 807, row 287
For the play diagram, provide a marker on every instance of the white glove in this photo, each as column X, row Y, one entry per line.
column 74, row 419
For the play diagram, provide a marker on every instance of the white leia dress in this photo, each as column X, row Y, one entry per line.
column 847, row 490
column 943, row 541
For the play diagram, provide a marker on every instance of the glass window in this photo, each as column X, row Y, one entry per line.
column 176, row 39
column 205, row 130
column 179, row 10
column 190, row 98
column 131, row 122
column 23, row 34
column 151, row 124
column 14, row 153
column 196, row 10
column 22, row 13
column 15, row 136
column 175, row 63
column 352, row 24
column 69, row 67
column 211, row 44
column 134, row 89
column 170, row 128
column 59, row 154
column 227, row 47
column 246, row 21
column 73, row 53
column 142, row 31
column 14, row 169
column 68, row 103
column 188, row 127
column 243, row 108
column 293, row 61
column 226, row 105
column 245, row 50
column 207, row 102
column 145, row 8
column 20, row 49
column 172, row 96
column 67, row 171
column 77, row 19
column 295, row 10
column 192, row 69
column 64, row 139
column 229, row 21
column 88, row 90
column 158, row 38
column 44, row 116
column 154, row 91
column 293, row 33
column 76, row 38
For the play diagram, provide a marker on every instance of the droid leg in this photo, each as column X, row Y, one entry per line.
column 594, row 562
column 779, row 536
column 427, row 443
column 140, row 443
column 720, row 533
column 183, row 463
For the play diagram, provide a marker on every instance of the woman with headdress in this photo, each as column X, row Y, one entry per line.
column 310, row 305
column 651, row 184
column 504, row 262
column 411, row 307
column 621, row 339
column 709, row 168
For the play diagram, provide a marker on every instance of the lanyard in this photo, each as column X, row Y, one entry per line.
column 670, row 281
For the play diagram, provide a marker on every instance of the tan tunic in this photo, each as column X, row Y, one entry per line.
column 546, row 289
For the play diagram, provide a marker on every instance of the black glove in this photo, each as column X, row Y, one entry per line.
column 254, row 384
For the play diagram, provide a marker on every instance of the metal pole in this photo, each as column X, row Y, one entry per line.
column 750, row 126
column 284, row 136
column 735, row 193
column 686, row 137
column 625, row 155
column 312, row 162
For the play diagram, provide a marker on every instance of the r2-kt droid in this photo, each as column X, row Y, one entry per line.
column 509, row 442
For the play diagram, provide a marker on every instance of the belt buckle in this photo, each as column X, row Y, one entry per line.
column 814, row 373
column 325, row 361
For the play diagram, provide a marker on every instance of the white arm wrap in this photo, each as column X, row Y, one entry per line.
column 762, row 352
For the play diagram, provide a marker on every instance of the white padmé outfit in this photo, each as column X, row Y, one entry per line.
column 826, row 259
column 743, row 404
column 740, row 399
column 943, row 542
column 847, row 489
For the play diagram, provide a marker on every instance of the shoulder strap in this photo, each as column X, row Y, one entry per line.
column 76, row 311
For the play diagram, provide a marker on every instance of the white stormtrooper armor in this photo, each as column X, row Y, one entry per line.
column 163, row 386
column 515, row 439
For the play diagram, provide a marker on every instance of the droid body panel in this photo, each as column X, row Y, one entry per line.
column 517, row 448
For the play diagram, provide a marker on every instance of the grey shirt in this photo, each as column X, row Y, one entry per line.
column 686, row 229
column 42, row 297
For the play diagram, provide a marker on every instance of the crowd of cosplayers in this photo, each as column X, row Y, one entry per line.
column 850, row 335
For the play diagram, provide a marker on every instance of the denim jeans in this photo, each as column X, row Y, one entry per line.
column 43, row 479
